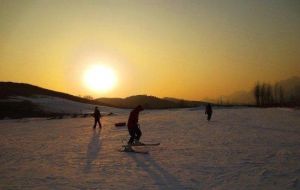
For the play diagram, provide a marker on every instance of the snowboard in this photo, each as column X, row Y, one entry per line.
column 144, row 144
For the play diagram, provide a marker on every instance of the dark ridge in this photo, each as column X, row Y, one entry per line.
column 21, row 109
column 9, row 89
column 149, row 102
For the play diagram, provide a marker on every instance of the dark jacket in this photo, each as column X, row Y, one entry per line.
column 97, row 114
column 208, row 109
column 134, row 117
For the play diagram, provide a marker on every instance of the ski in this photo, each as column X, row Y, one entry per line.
column 134, row 151
column 146, row 144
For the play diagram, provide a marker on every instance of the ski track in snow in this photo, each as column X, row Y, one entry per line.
column 245, row 148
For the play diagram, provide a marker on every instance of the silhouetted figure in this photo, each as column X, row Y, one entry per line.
column 97, row 116
column 133, row 126
column 208, row 111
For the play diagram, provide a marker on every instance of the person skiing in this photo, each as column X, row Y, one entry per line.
column 97, row 116
column 133, row 126
column 208, row 111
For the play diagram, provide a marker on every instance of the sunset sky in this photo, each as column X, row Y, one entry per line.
column 190, row 49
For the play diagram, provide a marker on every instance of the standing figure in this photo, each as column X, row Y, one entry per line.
column 133, row 126
column 97, row 116
column 208, row 111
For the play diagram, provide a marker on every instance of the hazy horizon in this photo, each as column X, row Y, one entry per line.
column 183, row 49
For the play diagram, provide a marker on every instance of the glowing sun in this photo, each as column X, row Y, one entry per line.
column 100, row 78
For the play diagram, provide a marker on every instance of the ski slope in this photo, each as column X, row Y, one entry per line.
column 54, row 104
column 243, row 148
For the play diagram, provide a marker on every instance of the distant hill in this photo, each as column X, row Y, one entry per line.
column 291, row 89
column 27, row 104
column 240, row 97
column 149, row 102
column 11, row 89
column 186, row 103
column 19, row 100
column 290, row 86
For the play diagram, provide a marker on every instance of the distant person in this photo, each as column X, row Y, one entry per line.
column 133, row 126
column 208, row 111
column 97, row 116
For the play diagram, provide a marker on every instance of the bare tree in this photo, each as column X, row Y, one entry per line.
column 297, row 95
column 263, row 94
column 88, row 97
column 281, row 96
column 256, row 92
column 276, row 93
column 266, row 94
column 269, row 96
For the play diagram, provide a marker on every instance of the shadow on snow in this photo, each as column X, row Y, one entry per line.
column 93, row 150
column 162, row 178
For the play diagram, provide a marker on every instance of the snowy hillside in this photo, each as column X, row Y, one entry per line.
column 62, row 105
column 245, row 148
column 19, row 100
column 50, row 105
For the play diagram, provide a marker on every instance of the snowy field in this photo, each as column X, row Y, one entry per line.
column 244, row 148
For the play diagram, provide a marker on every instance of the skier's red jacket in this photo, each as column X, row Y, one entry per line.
column 134, row 117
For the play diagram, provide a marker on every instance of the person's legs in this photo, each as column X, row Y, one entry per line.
column 132, row 135
column 208, row 116
column 100, row 126
column 138, row 134
column 95, row 123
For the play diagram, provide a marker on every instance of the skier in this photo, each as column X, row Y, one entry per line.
column 97, row 116
column 208, row 111
column 133, row 127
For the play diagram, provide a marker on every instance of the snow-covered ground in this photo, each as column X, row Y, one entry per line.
column 245, row 148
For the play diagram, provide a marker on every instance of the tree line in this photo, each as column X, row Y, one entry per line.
column 267, row 95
